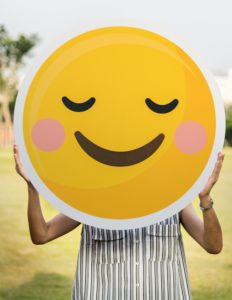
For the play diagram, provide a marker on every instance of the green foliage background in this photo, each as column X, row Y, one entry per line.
column 229, row 125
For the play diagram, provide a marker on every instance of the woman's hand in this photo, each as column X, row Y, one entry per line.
column 208, row 232
column 18, row 166
column 204, row 194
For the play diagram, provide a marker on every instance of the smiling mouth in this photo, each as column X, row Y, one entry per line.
column 118, row 158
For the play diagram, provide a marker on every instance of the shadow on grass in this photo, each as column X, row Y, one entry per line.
column 43, row 286
column 52, row 286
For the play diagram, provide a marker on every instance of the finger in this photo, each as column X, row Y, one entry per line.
column 16, row 160
column 220, row 156
column 15, row 149
column 16, row 157
column 217, row 170
column 15, row 153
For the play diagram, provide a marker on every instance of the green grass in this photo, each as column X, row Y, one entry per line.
column 46, row 272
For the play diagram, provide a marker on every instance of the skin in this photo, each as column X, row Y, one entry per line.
column 207, row 232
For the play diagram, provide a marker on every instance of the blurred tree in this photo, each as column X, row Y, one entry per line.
column 229, row 125
column 12, row 54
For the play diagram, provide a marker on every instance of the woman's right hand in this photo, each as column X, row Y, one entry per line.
column 18, row 165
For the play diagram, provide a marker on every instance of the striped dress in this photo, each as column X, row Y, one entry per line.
column 140, row 264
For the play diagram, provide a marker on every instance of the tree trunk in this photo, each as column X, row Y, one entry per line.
column 6, row 130
column 6, row 110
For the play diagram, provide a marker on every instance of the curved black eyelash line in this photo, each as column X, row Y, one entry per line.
column 78, row 107
column 161, row 108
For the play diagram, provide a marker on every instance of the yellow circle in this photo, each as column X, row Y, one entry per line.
column 120, row 68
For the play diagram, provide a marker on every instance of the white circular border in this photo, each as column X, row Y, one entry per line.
column 106, row 223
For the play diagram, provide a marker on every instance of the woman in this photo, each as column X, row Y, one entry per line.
column 145, row 263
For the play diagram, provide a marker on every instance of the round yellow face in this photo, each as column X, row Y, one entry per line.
column 118, row 123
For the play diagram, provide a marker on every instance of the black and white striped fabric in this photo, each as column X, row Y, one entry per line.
column 140, row 264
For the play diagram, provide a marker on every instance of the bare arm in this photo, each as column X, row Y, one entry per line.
column 41, row 231
column 208, row 232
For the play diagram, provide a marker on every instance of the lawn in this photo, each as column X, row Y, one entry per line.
column 46, row 272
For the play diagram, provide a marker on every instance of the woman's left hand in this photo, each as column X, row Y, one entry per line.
column 213, row 178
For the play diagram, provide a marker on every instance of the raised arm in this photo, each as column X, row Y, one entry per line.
column 208, row 232
column 41, row 231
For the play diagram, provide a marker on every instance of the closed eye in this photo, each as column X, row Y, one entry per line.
column 78, row 107
column 161, row 108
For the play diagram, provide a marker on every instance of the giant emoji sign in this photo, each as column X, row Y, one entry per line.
column 119, row 127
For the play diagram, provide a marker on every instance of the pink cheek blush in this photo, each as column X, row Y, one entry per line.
column 190, row 137
column 48, row 134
